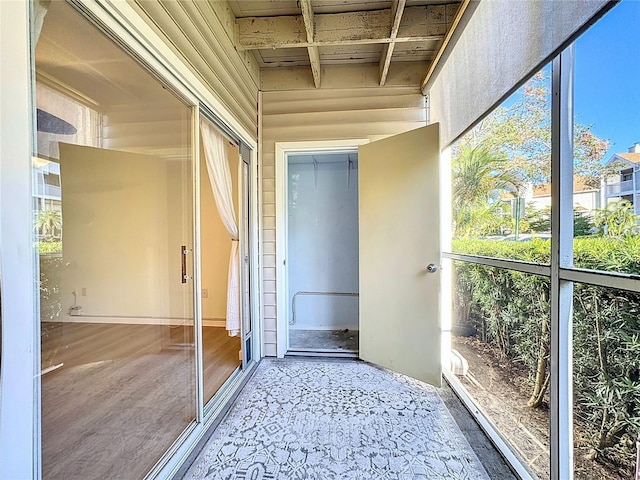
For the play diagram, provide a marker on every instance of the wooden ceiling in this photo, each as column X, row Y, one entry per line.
column 314, row 33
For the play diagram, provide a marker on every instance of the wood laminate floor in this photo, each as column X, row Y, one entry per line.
column 122, row 394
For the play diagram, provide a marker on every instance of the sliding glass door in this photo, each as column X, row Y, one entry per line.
column 113, row 209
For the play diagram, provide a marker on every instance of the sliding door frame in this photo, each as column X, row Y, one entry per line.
column 124, row 25
column 19, row 354
column 20, row 429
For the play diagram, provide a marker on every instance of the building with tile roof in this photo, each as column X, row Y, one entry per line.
column 625, row 185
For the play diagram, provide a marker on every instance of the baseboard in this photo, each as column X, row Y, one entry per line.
column 301, row 352
column 206, row 322
column 214, row 322
column 323, row 329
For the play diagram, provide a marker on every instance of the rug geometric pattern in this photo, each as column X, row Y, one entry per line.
column 308, row 419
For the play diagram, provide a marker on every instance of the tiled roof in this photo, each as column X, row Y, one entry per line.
column 579, row 185
column 631, row 157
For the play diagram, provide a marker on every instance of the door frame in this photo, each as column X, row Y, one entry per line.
column 283, row 149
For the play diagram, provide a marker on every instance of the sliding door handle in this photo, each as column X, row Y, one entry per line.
column 183, row 260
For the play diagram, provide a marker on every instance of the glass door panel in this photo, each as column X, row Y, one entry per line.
column 113, row 211
column 221, row 349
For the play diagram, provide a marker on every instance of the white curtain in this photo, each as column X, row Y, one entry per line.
column 215, row 149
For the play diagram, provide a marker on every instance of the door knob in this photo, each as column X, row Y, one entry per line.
column 432, row 268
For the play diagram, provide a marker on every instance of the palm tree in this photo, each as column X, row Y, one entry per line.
column 49, row 224
column 617, row 219
column 478, row 178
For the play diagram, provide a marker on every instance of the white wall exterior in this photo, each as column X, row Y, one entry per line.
column 588, row 200
column 203, row 35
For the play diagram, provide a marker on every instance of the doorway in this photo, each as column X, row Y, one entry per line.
column 322, row 245
column 398, row 250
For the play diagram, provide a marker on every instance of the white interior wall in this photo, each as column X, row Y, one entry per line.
column 323, row 241
column 320, row 114
column 125, row 216
column 114, row 257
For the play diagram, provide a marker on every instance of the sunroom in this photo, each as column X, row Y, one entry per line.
column 188, row 187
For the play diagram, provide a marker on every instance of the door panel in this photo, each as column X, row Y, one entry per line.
column 399, row 237
column 221, row 357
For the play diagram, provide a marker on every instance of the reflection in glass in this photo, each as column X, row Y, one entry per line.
column 221, row 352
column 500, row 171
column 112, row 186
column 500, row 354
column 606, row 373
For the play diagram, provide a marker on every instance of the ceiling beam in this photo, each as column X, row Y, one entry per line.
column 314, row 52
column 307, row 17
column 314, row 58
column 454, row 24
column 421, row 23
column 347, row 76
column 397, row 9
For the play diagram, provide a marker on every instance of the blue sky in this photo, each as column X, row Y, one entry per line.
column 607, row 77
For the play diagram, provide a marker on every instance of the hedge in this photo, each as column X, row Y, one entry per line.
column 49, row 248
column 511, row 311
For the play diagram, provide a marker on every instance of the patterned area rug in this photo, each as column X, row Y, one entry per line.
column 307, row 419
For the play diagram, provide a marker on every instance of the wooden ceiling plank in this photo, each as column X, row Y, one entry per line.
column 354, row 75
column 365, row 27
column 397, row 9
column 314, row 53
column 353, row 26
column 271, row 32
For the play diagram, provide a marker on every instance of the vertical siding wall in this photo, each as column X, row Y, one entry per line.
column 323, row 114
column 203, row 33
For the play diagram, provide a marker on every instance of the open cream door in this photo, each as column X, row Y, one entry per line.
column 400, row 253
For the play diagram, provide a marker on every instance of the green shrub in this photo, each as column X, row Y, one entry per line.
column 50, row 280
column 511, row 311
column 49, row 247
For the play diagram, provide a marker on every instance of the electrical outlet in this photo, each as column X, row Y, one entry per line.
column 205, row 293
column 84, row 291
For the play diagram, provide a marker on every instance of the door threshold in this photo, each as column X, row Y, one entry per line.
column 311, row 352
